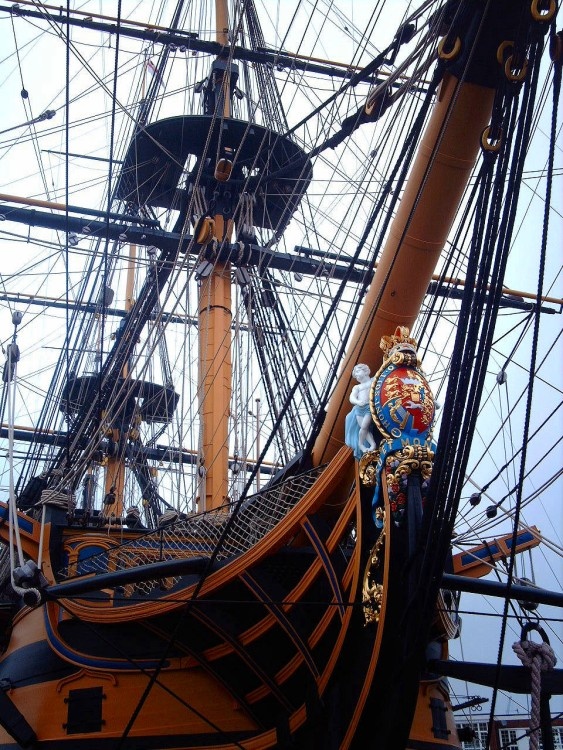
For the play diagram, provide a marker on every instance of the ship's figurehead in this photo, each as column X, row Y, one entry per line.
column 402, row 410
column 359, row 423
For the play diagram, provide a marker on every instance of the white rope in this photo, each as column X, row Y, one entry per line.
column 58, row 499
column 15, row 543
column 246, row 213
column 200, row 204
column 13, row 356
column 41, row 537
column 539, row 657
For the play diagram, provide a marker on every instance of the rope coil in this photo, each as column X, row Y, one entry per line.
column 538, row 657
column 58, row 498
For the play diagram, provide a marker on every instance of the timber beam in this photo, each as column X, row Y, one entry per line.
column 494, row 588
column 189, row 41
column 160, row 453
column 507, row 677
column 239, row 254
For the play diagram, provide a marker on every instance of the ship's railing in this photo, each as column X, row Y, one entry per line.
column 223, row 532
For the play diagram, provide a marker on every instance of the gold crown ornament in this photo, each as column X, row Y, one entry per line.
column 399, row 346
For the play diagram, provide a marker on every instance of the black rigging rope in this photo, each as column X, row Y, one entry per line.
column 67, row 202
column 404, row 161
column 391, row 188
column 274, row 336
column 105, row 263
column 74, row 326
column 557, row 69
column 482, row 294
column 503, row 424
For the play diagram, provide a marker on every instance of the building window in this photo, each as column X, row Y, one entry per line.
column 557, row 738
column 508, row 739
column 479, row 741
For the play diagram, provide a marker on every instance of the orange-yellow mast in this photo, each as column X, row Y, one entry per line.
column 115, row 467
column 222, row 22
column 215, row 339
column 413, row 248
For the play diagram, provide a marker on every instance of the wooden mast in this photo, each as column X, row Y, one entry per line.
column 452, row 139
column 115, row 467
column 215, row 337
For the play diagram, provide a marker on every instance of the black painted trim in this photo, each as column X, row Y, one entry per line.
column 430, row 745
column 153, row 742
column 34, row 664
column 14, row 722
column 166, row 568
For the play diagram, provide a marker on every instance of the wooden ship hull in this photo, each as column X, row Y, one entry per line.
column 266, row 648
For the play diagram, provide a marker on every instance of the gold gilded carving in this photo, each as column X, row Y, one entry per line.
column 372, row 602
column 368, row 468
column 403, row 358
column 372, row 592
column 400, row 338
column 410, row 458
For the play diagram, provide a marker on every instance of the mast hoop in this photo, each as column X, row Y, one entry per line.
column 508, row 44
column 542, row 13
column 491, row 141
column 514, row 72
column 450, row 54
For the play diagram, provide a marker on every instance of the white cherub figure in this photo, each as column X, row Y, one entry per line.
column 358, row 433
